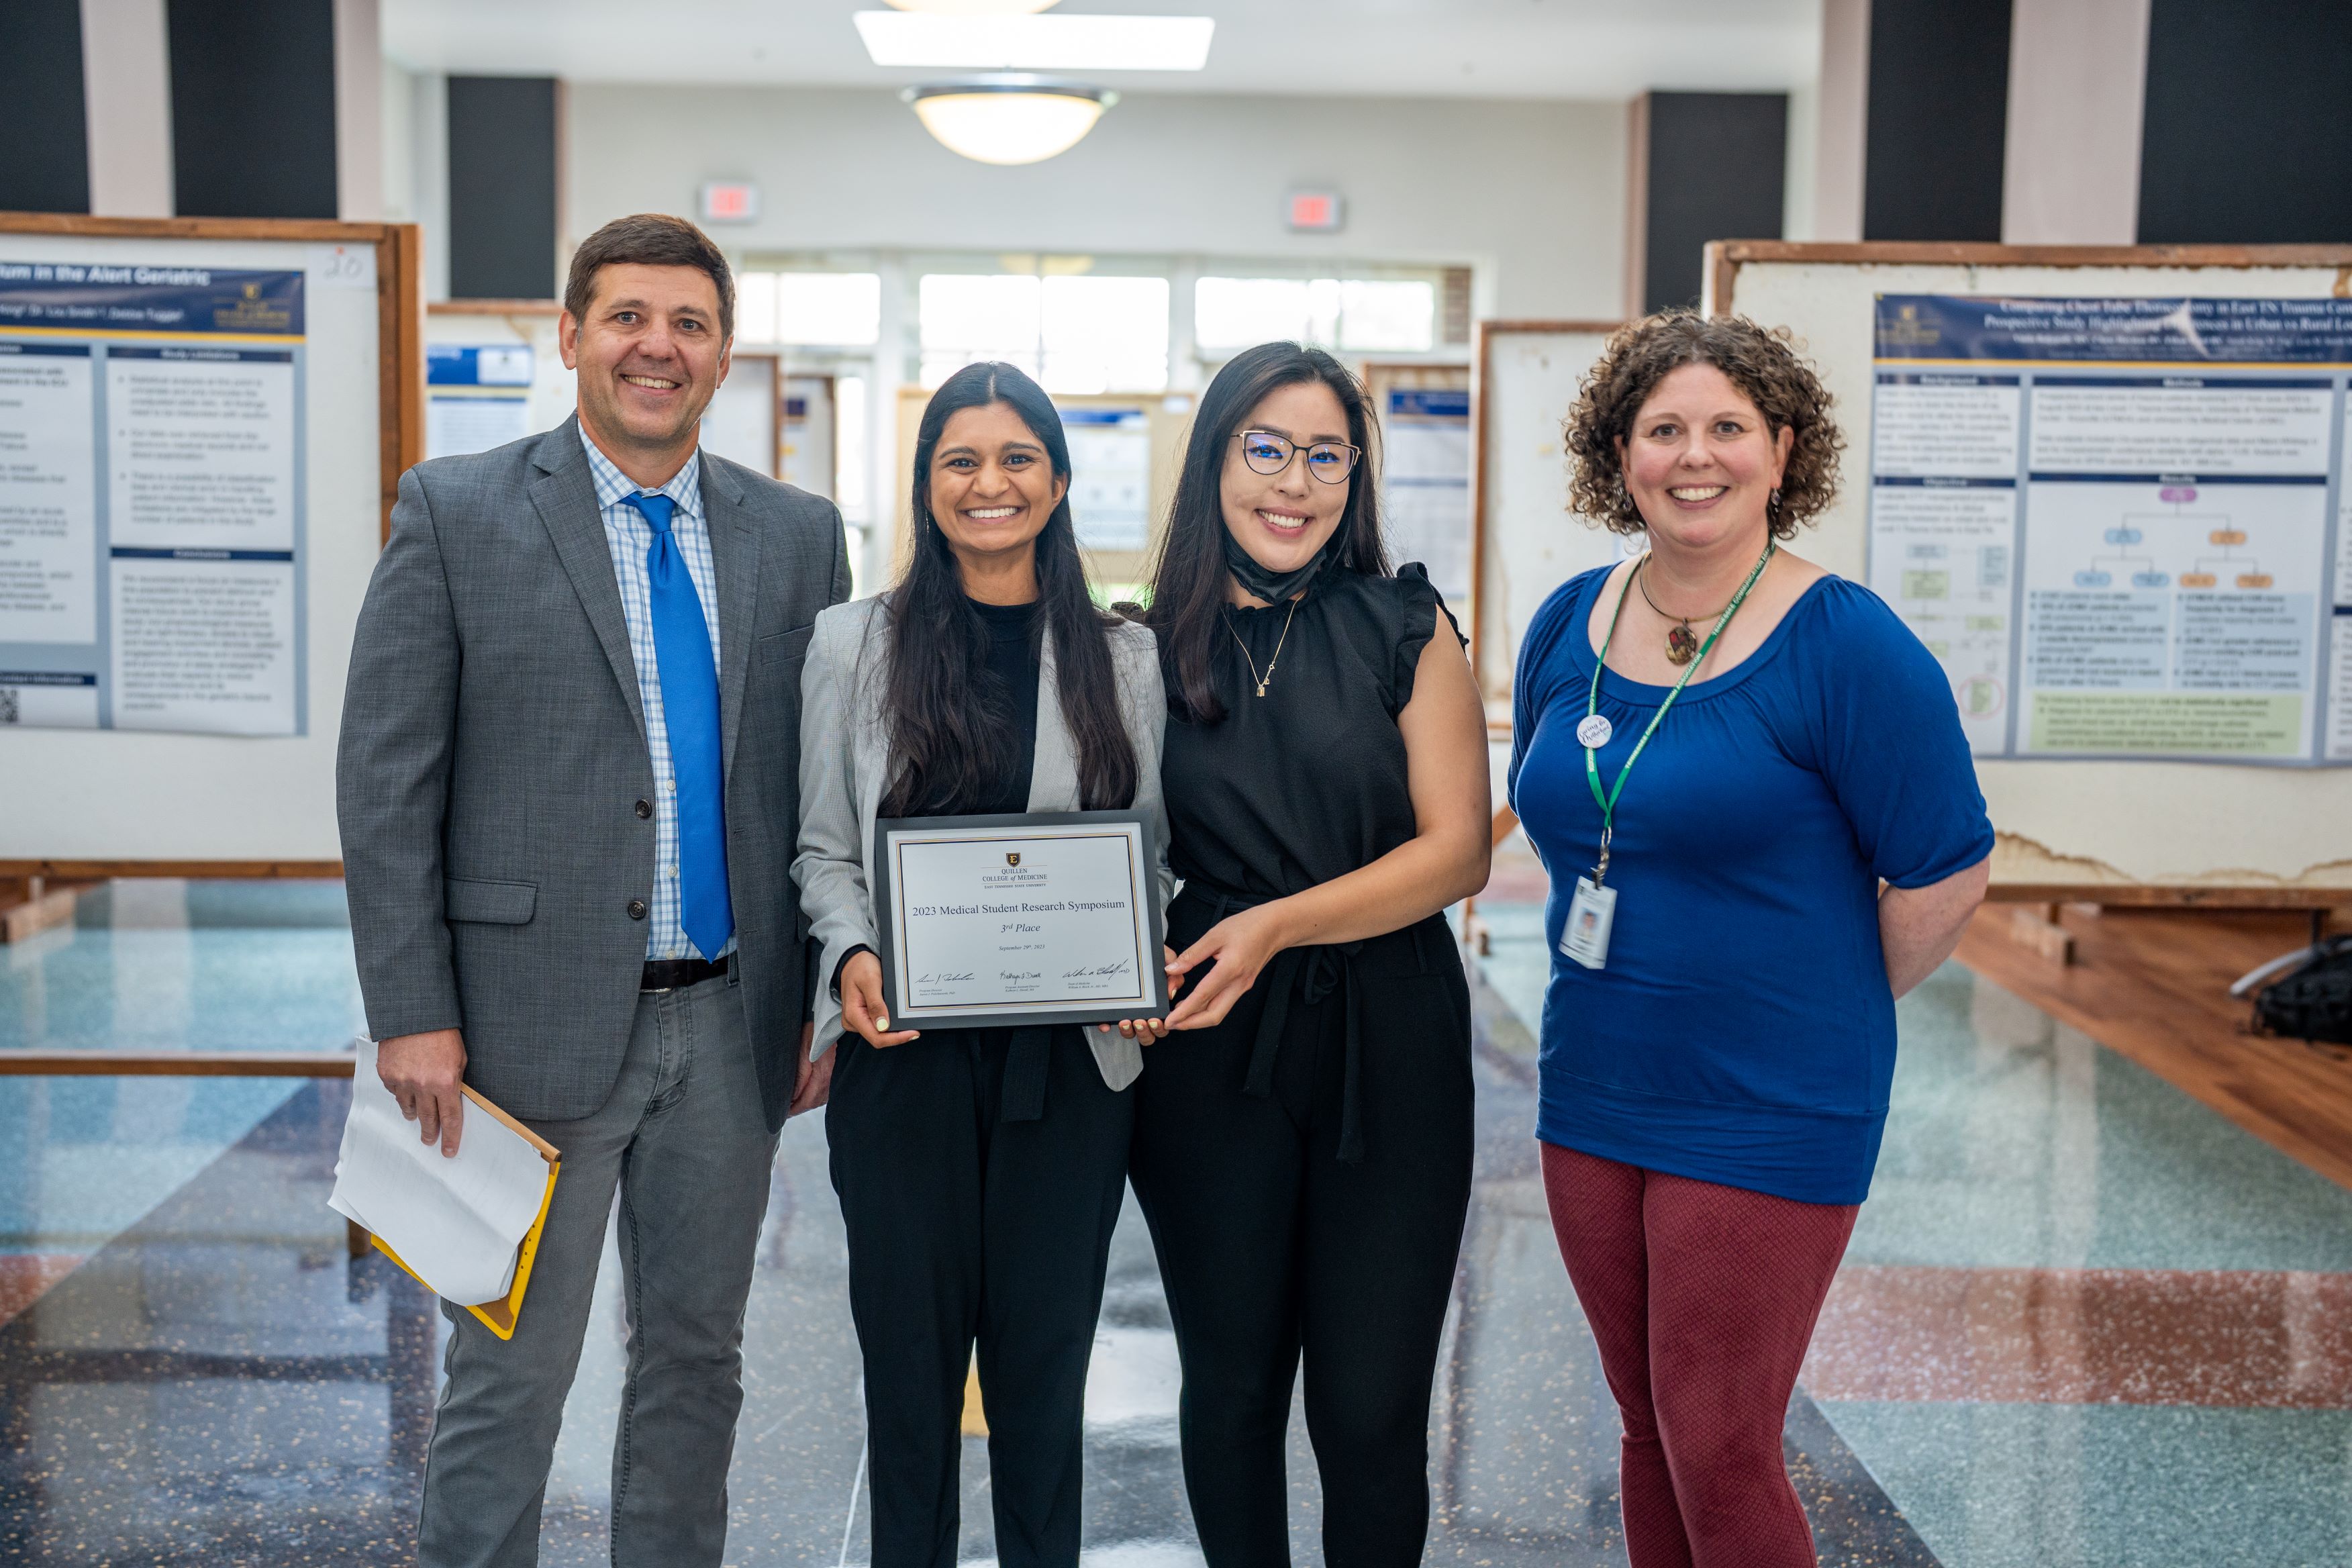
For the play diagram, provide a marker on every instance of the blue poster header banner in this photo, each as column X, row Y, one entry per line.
column 470, row 365
column 1430, row 402
column 1922, row 327
column 58, row 296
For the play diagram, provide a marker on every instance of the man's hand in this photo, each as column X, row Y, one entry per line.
column 862, row 1007
column 813, row 1085
column 424, row 1072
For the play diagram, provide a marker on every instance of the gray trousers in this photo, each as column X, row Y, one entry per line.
column 684, row 1139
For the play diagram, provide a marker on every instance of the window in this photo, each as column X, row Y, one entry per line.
column 966, row 317
column 1355, row 314
column 818, row 310
column 1106, row 334
column 1074, row 333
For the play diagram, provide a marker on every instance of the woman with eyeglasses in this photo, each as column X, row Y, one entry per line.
column 1303, row 1135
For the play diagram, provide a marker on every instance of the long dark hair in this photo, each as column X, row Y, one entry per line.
column 941, row 698
column 1188, row 577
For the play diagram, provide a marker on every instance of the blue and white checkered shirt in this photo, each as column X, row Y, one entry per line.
column 629, row 536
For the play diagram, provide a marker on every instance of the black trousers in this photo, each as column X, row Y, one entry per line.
column 1273, row 1247
column 962, row 1226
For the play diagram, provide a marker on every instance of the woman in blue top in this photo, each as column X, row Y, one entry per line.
column 1721, row 751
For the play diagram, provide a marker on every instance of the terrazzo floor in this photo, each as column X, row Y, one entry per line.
column 2084, row 1320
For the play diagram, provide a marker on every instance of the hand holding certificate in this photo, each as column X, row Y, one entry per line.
column 1048, row 917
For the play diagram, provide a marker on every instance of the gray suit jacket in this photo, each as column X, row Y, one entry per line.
column 493, row 772
column 846, row 766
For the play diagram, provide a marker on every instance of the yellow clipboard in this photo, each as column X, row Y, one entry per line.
column 500, row 1317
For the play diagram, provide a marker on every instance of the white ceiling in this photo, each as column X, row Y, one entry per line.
column 1451, row 48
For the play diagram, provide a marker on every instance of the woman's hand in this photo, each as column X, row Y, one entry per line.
column 1242, row 945
column 862, row 1007
column 1149, row 1029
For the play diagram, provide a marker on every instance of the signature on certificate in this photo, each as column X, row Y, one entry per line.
column 949, row 979
column 1100, row 970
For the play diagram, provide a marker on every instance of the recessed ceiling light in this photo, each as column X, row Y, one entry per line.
column 976, row 7
column 1037, row 42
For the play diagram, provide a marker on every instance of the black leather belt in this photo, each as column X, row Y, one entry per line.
column 676, row 974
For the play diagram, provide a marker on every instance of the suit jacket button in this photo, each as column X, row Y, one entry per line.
column 644, row 809
column 637, row 908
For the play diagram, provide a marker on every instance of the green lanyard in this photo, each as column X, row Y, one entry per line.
column 1608, row 802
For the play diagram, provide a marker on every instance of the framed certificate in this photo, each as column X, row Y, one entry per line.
column 999, row 921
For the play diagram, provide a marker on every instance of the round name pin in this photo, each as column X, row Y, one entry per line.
column 1594, row 731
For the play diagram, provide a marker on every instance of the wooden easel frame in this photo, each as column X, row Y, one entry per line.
column 400, row 358
column 1724, row 257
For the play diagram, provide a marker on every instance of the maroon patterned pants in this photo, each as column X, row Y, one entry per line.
column 1702, row 1300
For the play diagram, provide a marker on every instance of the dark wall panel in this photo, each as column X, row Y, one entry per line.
column 1938, row 119
column 253, row 107
column 502, row 187
column 45, row 152
column 1717, row 168
column 2248, row 136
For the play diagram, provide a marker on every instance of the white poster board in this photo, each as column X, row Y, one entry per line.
column 742, row 421
column 214, row 420
column 1525, row 541
column 2147, row 827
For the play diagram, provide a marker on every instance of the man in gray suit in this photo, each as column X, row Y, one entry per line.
column 569, row 791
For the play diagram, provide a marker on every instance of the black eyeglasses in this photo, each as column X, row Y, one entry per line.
column 1267, row 452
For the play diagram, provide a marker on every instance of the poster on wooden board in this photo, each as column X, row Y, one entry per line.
column 812, row 435
column 1424, row 418
column 2105, row 487
column 215, row 414
column 494, row 372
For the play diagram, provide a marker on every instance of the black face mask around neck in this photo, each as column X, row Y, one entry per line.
column 1272, row 587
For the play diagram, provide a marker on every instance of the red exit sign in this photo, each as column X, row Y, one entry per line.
column 724, row 202
column 1314, row 212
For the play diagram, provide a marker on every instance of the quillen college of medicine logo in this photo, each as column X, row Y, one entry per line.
column 1013, row 857
column 1906, row 331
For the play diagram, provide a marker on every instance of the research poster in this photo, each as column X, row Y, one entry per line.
column 476, row 396
column 1425, row 479
column 151, row 499
column 2118, row 523
column 1111, row 484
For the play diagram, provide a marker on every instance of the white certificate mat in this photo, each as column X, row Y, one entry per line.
column 1047, row 918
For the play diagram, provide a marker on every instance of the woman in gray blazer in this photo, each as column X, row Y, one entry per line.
column 980, row 1170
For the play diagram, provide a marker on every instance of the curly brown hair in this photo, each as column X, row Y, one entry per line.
column 1761, row 363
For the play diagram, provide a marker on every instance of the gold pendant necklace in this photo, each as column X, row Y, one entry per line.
column 1262, row 680
column 1682, row 643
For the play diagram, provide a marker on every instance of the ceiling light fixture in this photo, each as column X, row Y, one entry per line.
column 938, row 41
column 976, row 7
column 1009, row 118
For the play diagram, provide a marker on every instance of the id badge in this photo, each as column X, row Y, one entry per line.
column 1585, row 939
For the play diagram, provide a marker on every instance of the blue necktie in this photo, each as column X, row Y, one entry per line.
column 689, row 693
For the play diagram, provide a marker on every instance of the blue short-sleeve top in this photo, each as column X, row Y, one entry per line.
column 1743, row 1030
